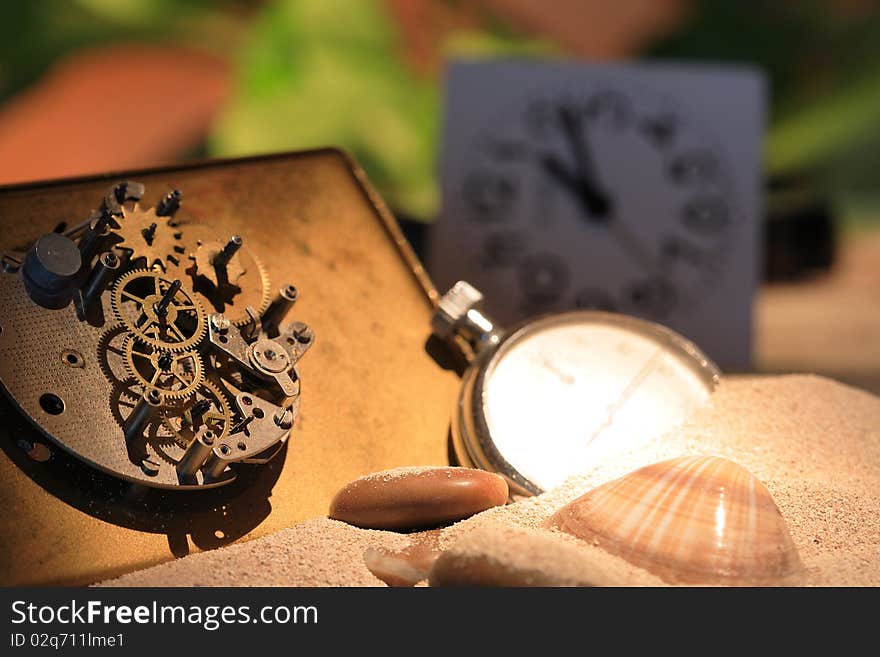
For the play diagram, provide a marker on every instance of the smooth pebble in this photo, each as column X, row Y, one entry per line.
column 417, row 497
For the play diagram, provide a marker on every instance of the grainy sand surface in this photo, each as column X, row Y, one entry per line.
column 815, row 444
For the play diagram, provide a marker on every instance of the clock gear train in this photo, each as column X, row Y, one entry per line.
column 150, row 347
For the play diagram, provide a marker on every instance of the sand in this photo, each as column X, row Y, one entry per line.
column 815, row 444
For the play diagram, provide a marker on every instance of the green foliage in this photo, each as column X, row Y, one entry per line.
column 823, row 64
column 34, row 34
column 329, row 72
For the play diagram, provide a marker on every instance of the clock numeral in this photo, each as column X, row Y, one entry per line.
column 611, row 107
column 705, row 216
column 660, row 130
column 652, row 297
column 543, row 278
column 676, row 250
column 489, row 196
column 693, row 167
column 502, row 248
column 592, row 298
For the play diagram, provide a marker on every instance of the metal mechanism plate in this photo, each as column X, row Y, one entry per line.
column 125, row 272
column 312, row 219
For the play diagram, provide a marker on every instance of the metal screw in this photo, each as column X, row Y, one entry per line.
column 303, row 334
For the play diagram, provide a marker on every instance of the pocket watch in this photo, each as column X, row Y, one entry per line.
column 556, row 395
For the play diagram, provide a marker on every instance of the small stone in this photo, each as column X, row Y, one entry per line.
column 405, row 567
column 412, row 498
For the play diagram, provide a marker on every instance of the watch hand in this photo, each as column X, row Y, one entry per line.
column 577, row 140
column 564, row 378
column 646, row 369
column 580, row 182
column 595, row 204
column 632, row 246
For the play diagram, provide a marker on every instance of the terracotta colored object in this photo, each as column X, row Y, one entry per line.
column 417, row 497
column 405, row 567
column 111, row 108
column 699, row 519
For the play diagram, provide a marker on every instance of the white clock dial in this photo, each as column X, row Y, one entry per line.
column 594, row 199
column 570, row 391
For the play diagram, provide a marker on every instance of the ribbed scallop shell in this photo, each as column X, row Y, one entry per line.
column 691, row 520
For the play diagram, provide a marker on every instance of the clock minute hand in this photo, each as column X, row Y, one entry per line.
column 632, row 245
column 594, row 202
column 573, row 128
column 644, row 372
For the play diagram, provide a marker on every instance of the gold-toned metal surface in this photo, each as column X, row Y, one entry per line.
column 372, row 397
column 164, row 249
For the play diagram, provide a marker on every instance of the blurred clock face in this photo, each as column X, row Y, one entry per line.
column 565, row 192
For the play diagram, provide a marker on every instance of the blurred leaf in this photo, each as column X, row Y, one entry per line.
column 35, row 34
column 329, row 72
column 824, row 129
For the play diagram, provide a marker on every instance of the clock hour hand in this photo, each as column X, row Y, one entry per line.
column 632, row 246
column 597, row 210
column 572, row 126
column 646, row 370
column 595, row 204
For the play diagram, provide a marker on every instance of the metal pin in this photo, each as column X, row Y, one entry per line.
column 232, row 246
column 275, row 313
column 102, row 273
column 119, row 192
column 213, row 468
column 169, row 204
column 197, row 413
column 196, row 454
column 161, row 307
column 140, row 415
column 88, row 243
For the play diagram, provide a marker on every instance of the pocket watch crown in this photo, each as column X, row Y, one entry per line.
column 453, row 309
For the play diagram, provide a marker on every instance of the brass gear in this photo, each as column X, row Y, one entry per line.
column 174, row 423
column 176, row 374
column 124, row 397
column 135, row 299
column 204, row 256
column 148, row 236
column 248, row 281
column 111, row 354
column 237, row 315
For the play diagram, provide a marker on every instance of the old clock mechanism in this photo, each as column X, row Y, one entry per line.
column 557, row 395
column 153, row 350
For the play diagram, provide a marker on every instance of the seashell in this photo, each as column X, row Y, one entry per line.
column 693, row 520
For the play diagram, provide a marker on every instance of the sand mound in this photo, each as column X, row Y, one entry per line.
column 815, row 444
